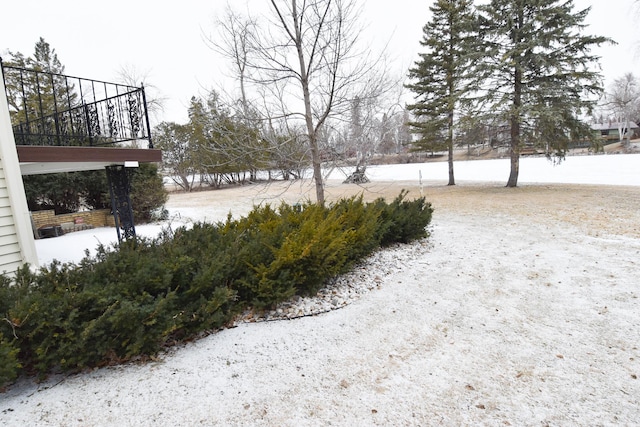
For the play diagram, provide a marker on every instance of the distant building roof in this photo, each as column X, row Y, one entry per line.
column 613, row 125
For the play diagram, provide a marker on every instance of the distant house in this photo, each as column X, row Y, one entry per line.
column 615, row 131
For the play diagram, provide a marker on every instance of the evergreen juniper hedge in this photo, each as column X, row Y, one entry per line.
column 133, row 300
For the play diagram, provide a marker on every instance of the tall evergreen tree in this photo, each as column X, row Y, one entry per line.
column 45, row 58
column 443, row 75
column 540, row 72
column 38, row 98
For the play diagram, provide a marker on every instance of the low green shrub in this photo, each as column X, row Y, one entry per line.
column 320, row 243
column 133, row 300
column 403, row 220
column 9, row 364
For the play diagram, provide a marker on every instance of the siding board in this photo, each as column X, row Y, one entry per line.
column 6, row 212
column 10, row 239
column 6, row 221
column 10, row 267
column 8, row 250
column 8, row 230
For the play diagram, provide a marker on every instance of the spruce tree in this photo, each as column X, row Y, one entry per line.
column 38, row 99
column 540, row 72
column 443, row 75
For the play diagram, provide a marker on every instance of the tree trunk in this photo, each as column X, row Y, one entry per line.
column 308, row 112
column 515, row 129
column 317, row 170
column 358, row 176
column 626, row 142
column 515, row 147
column 516, row 112
column 451, row 106
column 452, row 180
column 515, row 167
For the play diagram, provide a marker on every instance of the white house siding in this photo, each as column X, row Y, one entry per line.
column 10, row 254
column 16, row 236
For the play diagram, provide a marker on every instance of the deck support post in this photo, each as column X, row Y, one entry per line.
column 120, row 189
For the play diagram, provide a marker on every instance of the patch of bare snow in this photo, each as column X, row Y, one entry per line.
column 491, row 322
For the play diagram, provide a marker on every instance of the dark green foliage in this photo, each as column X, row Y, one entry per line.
column 133, row 300
column 147, row 192
column 226, row 144
column 443, row 77
column 540, row 73
column 9, row 365
column 121, row 304
column 60, row 192
column 65, row 192
column 179, row 155
column 36, row 97
column 403, row 220
column 94, row 189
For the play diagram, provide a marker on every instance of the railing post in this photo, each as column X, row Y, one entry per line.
column 120, row 188
column 146, row 115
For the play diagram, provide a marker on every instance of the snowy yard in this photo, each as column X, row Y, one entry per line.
column 521, row 308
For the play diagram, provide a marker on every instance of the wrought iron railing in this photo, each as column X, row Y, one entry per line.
column 55, row 109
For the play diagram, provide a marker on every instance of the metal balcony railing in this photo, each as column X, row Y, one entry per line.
column 58, row 110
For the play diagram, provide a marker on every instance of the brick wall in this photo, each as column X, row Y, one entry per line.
column 96, row 218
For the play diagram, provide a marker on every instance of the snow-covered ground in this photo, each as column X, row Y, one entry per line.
column 612, row 169
column 602, row 169
column 497, row 319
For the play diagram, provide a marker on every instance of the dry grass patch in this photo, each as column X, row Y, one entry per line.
column 597, row 209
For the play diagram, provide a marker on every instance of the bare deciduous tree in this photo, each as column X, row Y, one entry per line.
column 235, row 33
column 623, row 101
column 375, row 120
column 234, row 42
column 308, row 63
column 131, row 76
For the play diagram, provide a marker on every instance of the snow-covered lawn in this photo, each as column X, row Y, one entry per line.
column 517, row 310
column 601, row 169
column 611, row 169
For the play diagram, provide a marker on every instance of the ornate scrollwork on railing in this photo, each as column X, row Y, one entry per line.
column 111, row 119
column 54, row 109
column 134, row 116
column 93, row 121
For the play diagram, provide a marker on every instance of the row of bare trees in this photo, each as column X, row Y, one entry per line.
column 226, row 144
column 308, row 92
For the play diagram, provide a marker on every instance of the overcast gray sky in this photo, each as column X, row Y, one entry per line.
column 164, row 39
